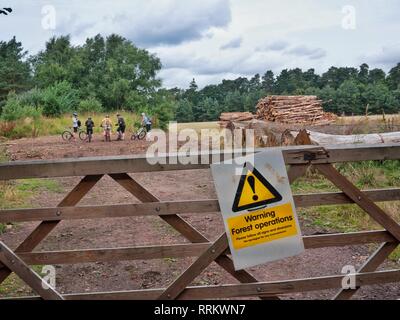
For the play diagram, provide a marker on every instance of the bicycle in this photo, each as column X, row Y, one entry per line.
column 107, row 136
column 67, row 135
column 140, row 134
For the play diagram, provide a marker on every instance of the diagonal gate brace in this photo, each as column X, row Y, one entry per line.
column 31, row 278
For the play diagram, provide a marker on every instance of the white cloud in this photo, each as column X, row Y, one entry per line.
column 277, row 45
column 150, row 22
column 304, row 51
column 386, row 57
column 233, row 44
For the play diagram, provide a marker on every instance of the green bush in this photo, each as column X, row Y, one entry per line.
column 32, row 97
column 15, row 110
column 90, row 105
column 51, row 101
column 58, row 99
column 163, row 113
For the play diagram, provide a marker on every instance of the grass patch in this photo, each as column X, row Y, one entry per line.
column 312, row 183
column 350, row 218
column 16, row 194
column 13, row 286
column 29, row 185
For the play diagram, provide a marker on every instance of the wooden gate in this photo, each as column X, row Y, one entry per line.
column 93, row 169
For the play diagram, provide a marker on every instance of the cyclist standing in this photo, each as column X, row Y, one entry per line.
column 146, row 121
column 107, row 127
column 89, row 128
column 76, row 123
column 121, row 127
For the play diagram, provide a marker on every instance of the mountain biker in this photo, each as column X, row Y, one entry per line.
column 106, row 123
column 76, row 123
column 146, row 121
column 121, row 127
column 89, row 128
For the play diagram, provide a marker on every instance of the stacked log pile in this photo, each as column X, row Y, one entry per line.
column 227, row 117
column 293, row 110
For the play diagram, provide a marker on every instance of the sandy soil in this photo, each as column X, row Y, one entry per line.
column 122, row 232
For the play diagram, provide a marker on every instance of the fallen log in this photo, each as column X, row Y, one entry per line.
column 235, row 116
column 372, row 138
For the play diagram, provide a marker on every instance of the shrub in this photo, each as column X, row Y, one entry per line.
column 90, row 105
column 58, row 99
column 163, row 113
column 15, row 110
column 32, row 97
column 52, row 101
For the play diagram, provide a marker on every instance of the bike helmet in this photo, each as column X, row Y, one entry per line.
column 75, row 114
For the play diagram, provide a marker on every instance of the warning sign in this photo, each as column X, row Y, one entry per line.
column 254, row 190
column 258, row 209
column 262, row 226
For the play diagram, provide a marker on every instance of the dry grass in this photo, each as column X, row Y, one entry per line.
column 369, row 124
column 371, row 118
column 198, row 126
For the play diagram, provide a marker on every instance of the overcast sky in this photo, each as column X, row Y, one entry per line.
column 210, row 40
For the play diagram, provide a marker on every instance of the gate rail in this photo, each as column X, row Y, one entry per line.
column 299, row 160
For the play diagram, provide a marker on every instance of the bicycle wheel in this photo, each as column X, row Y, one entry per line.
column 141, row 134
column 134, row 136
column 66, row 135
column 82, row 135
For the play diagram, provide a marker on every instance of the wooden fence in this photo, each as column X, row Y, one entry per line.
column 93, row 169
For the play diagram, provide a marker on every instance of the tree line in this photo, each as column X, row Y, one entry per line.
column 344, row 91
column 103, row 74
column 111, row 73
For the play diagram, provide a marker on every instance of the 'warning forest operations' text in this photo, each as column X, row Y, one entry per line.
column 262, row 226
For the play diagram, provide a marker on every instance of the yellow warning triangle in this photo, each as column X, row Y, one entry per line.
column 254, row 190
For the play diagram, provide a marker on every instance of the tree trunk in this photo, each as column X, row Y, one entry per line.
column 373, row 138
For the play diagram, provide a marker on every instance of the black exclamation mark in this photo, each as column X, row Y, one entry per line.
column 251, row 181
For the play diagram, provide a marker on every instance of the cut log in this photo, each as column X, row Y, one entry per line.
column 373, row 138
column 287, row 138
column 303, row 138
column 227, row 117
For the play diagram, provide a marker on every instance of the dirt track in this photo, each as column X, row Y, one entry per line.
column 123, row 232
